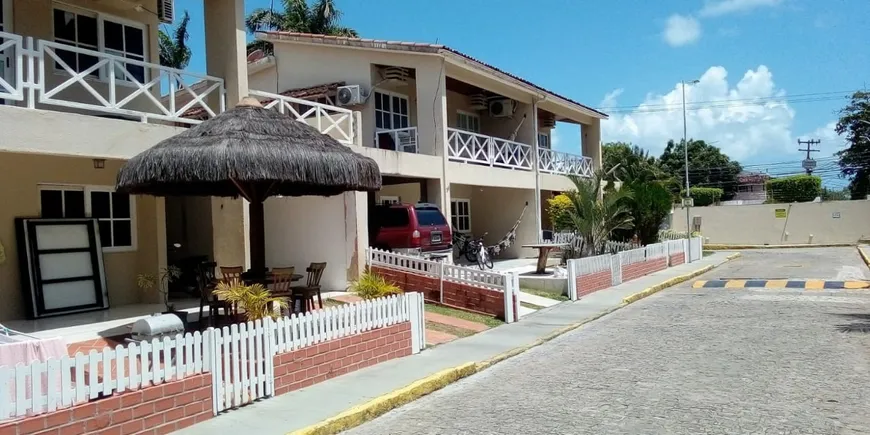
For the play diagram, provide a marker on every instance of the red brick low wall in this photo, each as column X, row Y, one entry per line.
column 593, row 282
column 305, row 367
column 677, row 259
column 457, row 295
column 637, row 270
column 159, row 409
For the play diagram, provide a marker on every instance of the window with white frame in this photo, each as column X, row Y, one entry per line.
column 91, row 31
column 114, row 211
column 544, row 140
column 460, row 215
column 391, row 111
column 468, row 122
column 385, row 199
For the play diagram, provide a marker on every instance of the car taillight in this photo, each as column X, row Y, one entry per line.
column 415, row 238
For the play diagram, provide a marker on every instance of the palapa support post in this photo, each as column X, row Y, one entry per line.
column 257, row 234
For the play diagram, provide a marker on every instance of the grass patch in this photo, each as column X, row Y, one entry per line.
column 708, row 253
column 545, row 294
column 490, row 321
column 449, row 329
column 531, row 306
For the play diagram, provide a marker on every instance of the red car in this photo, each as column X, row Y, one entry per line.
column 418, row 228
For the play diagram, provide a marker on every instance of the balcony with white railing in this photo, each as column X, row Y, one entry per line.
column 337, row 122
column 468, row 147
column 40, row 74
column 398, row 139
column 557, row 162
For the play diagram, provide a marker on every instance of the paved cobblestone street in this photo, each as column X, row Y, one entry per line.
column 684, row 361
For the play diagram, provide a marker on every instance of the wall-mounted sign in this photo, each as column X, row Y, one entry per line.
column 835, row 215
column 780, row 213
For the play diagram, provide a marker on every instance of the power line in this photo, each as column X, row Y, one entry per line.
column 643, row 110
column 727, row 100
column 809, row 164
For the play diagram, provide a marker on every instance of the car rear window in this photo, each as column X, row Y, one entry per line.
column 395, row 217
column 430, row 216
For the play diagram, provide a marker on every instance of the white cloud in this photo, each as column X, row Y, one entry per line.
column 743, row 130
column 681, row 30
column 726, row 7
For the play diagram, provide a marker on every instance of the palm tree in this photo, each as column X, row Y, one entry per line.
column 322, row 18
column 174, row 51
column 597, row 211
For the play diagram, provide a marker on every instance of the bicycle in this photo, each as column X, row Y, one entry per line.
column 483, row 254
column 467, row 247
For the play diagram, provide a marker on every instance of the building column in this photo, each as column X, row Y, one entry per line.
column 225, row 46
column 432, row 129
column 591, row 142
column 356, row 206
column 537, row 167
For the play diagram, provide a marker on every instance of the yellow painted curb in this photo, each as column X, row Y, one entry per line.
column 672, row 282
column 720, row 247
column 381, row 405
column 864, row 256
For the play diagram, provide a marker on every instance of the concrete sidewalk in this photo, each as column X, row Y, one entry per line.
column 299, row 409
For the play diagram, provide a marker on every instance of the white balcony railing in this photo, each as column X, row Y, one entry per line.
column 399, row 139
column 557, row 162
column 110, row 84
column 334, row 121
column 470, row 147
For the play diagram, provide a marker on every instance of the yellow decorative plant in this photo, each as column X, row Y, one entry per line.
column 255, row 299
column 370, row 285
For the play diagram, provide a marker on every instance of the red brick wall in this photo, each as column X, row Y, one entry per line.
column 637, row 270
column 305, row 367
column 457, row 295
column 593, row 282
column 678, row 259
column 155, row 410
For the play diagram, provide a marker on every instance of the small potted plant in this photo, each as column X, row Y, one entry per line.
column 147, row 282
column 370, row 285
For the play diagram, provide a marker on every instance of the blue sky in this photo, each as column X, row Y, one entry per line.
column 767, row 54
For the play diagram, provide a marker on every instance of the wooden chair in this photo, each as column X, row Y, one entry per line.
column 306, row 293
column 207, row 284
column 232, row 274
column 282, row 278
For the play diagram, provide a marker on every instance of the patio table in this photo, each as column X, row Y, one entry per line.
column 544, row 252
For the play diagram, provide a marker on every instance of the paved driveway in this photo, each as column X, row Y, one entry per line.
column 684, row 361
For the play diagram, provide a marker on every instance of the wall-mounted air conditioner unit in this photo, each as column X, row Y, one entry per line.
column 478, row 102
column 501, row 108
column 166, row 11
column 351, row 95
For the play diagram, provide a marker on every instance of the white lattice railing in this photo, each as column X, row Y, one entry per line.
column 557, row 162
column 109, row 84
column 465, row 146
column 399, row 139
column 334, row 121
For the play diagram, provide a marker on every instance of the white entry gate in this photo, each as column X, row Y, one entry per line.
column 242, row 365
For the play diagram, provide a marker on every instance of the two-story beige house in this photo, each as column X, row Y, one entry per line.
column 444, row 127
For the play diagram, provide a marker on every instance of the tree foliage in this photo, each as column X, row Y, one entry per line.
column 172, row 45
column 321, row 18
column 854, row 161
column 843, row 194
column 796, row 188
column 597, row 211
column 558, row 208
column 704, row 196
column 708, row 166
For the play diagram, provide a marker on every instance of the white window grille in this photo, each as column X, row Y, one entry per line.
column 114, row 211
column 460, row 215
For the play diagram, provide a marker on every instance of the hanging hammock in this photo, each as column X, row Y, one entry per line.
column 510, row 237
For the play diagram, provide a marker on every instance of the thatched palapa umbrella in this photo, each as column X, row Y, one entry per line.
column 254, row 153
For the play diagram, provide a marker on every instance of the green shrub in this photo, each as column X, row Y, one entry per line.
column 559, row 209
column 370, row 285
column 796, row 188
column 704, row 196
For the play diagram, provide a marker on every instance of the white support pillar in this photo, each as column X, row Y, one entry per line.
column 538, row 220
column 432, row 124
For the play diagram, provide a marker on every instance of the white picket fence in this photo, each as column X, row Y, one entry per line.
column 615, row 262
column 46, row 386
column 507, row 283
column 239, row 357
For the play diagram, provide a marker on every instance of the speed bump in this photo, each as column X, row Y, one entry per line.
column 809, row 284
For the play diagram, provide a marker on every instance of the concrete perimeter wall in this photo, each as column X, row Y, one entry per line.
column 827, row 222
